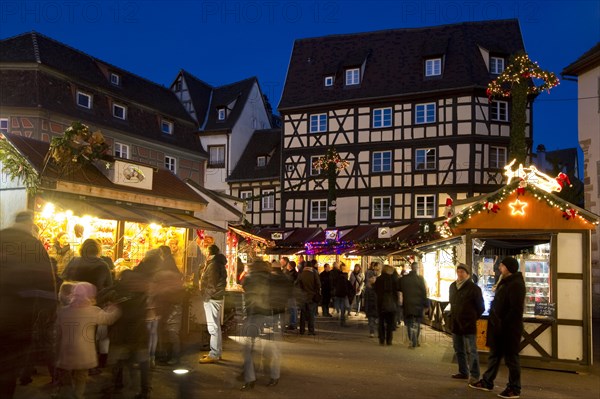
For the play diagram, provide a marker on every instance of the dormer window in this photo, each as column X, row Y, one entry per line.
column 115, row 79
column 119, row 111
column 84, row 100
column 166, row 127
column 352, row 76
column 433, row 67
column 221, row 114
column 261, row 161
column 496, row 65
column 328, row 81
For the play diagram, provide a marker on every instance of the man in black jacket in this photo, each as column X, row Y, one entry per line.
column 414, row 302
column 505, row 326
column 213, row 281
column 466, row 304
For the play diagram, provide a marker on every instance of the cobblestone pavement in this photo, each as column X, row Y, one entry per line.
column 338, row 363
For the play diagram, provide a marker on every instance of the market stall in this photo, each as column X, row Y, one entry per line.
column 550, row 237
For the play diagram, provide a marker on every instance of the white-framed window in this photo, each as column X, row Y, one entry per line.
column 268, row 200
column 496, row 65
column 314, row 171
column 171, row 163
column 328, row 81
column 425, row 113
column 115, row 79
column 382, row 117
column 425, row 159
column 261, row 161
column 166, row 126
column 352, row 76
column 318, row 210
column 216, row 156
column 84, row 100
column 425, row 206
column 433, row 67
column 245, row 195
column 381, row 161
column 382, row 207
column 497, row 157
column 4, row 125
column 121, row 150
column 119, row 111
column 318, row 123
column 499, row 111
column 221, row 114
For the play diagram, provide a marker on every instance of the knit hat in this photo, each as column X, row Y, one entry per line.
column 511, row 264
column 24, row 217
column 464, row 267
column 213, row 250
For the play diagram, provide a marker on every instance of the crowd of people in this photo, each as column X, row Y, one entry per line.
column 80, row 316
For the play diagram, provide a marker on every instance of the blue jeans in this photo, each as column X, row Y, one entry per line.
column 293, row 310
column 307, row 315
column 341, row 304
column 213, row 308
column 413, row 328
column 465, row 346
column 513, row 363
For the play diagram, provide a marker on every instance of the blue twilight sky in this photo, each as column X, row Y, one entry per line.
column 225, row 41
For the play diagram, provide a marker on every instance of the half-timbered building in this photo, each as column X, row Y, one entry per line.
column 408, row 110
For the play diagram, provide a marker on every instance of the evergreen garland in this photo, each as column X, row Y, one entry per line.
column 17, row 167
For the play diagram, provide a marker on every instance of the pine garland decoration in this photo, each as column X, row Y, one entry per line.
column 17, row 167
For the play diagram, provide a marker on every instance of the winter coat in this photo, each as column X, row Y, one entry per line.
column 214, row 278
column 340, row 285
column 505, row 322
column 414, row 294
column 310, row 284
column 466, row 306
column 386, row 288
column 27, row 289
column 325, row 283
column 266, row 292
column 62, row 256
column 76, row 331
column 91, row 269
column 357, row 280
column 280, row 290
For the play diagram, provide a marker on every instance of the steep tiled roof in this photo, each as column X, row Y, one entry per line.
column 225, row 96
column 590, row 59
column 262, row 143
column 165, row 184
column 394, row 61
column 55, row 93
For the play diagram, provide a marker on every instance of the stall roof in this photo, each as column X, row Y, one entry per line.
column 429, row 246
column 249, row 235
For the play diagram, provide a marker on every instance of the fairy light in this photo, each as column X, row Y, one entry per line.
column 518, row 207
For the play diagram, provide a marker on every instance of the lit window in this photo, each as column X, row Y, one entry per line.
column 216, row 156
column 221, row 114
column 382, row 117
column 171, row 163
column 352, row 76
column 318, row 123
column 245, row 195
column 382, row 207
column 3, row 125
column 119, row 111
column 121, row 150
column 115, row 79
column 261, row 161
column 425, row 113
column 425, row 159
column 425, row 206
column 166, row 127
column 496, row 65
column 433, row 67
column 318, row 210
column 314, row 171
column 328, row 81
column 382, row 161
column 268, row 200
column 84, row 100
column 497, row 157
column 499, row 111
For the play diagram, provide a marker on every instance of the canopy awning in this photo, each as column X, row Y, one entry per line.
column 251, row 236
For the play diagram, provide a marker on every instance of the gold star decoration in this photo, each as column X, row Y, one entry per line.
column 518, row 207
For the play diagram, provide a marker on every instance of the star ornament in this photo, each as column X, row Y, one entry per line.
column 518, row 207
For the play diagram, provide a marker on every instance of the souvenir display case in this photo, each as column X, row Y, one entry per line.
column 139, row 238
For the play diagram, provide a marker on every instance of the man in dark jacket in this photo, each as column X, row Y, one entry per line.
column 310, row 286
column 505, row 328
column 325, row 290
column 386, row 289
column 212, row 289
column 466, row 304
column 414, row 301
column 27, row 293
